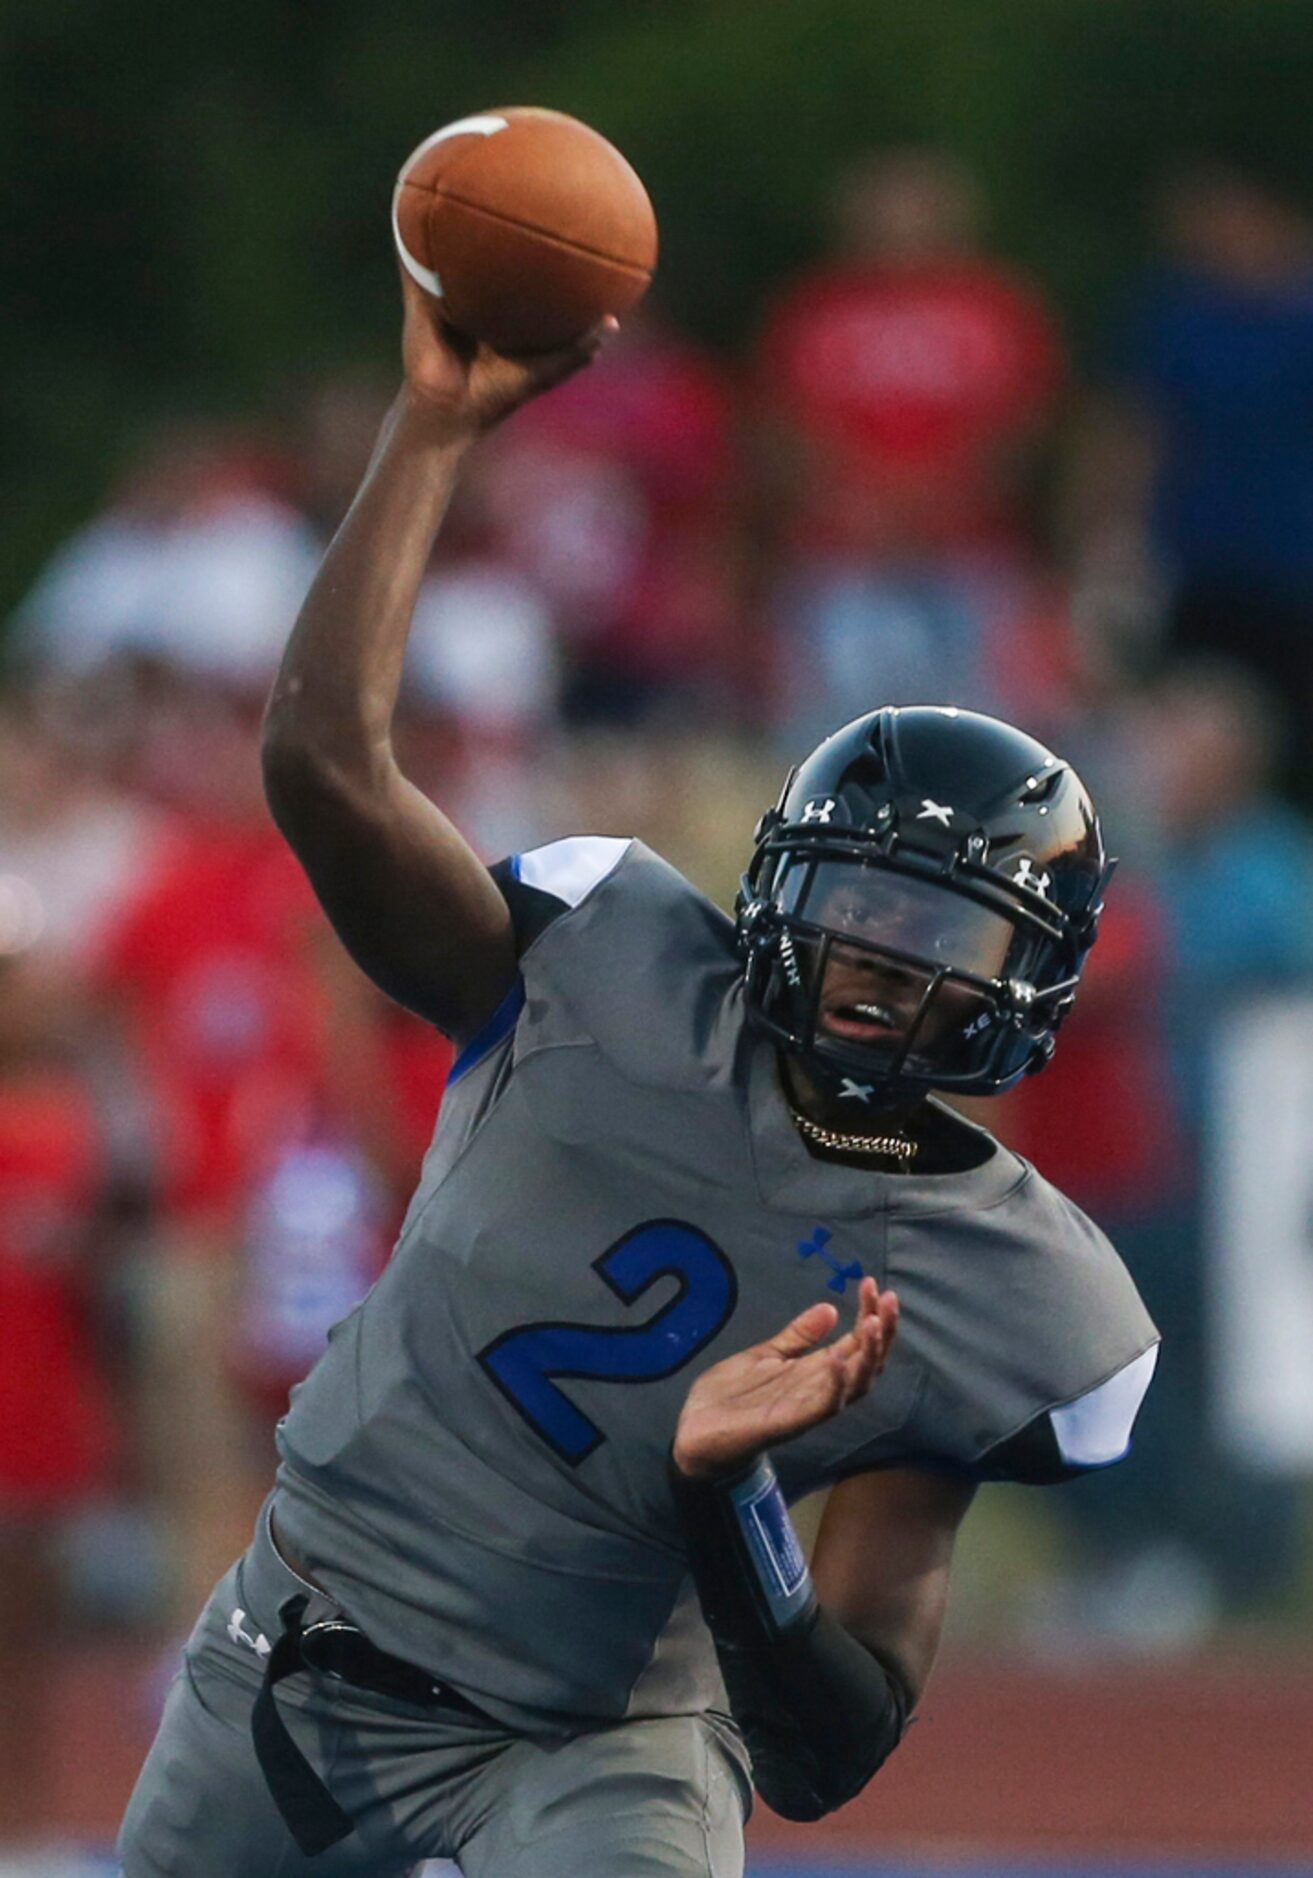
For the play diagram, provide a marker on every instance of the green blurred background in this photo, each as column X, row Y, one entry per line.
column 198, row 195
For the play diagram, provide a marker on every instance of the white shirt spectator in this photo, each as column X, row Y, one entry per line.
column 214, row 592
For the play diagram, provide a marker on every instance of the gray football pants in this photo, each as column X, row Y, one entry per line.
column 664, row 1798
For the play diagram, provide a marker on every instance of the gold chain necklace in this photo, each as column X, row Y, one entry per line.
column 893, row 1147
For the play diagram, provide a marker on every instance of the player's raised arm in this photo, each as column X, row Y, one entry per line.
column 407, row 895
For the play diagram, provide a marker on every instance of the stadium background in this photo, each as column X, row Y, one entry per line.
column 1078, row 502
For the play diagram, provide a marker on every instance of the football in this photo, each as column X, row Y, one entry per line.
column 526, row 224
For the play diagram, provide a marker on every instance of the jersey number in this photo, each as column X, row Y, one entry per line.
column 525, row 1363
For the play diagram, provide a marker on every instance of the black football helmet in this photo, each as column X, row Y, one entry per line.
column 919, row 905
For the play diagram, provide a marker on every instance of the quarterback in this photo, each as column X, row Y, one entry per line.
column 695, row 1236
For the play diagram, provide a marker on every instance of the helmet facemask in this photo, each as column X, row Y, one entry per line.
column 886, row 983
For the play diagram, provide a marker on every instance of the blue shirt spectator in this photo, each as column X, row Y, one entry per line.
column 1225, row 368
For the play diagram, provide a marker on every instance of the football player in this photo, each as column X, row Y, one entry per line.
column 526, row 1593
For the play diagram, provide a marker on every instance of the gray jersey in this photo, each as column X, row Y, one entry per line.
column 616, row 1198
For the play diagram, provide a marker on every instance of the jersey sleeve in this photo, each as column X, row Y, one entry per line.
column 1031, row 1347
column 541, row 885
column 618, row 952
column 538, row 887
column 1078, row 1437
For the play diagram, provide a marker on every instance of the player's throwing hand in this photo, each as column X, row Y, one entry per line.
column 463, row 383
column 782, row 1387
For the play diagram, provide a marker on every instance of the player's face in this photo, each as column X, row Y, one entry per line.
column 881, row 999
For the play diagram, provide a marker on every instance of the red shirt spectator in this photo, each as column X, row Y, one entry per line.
column 211, row 959
column 614, row 495
column 55, row 1427
column 906, row 372
column 324, row 1194
column 1101, row 1122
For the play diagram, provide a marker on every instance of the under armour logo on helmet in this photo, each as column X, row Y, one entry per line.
column 819, row 810
column 1026, row 877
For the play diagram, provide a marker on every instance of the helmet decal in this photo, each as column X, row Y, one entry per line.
column 935, row 811
column 1025, row 876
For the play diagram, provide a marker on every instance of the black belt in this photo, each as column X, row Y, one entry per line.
column 334, row 1648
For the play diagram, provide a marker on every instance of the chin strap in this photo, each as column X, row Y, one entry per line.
column 818, row 1711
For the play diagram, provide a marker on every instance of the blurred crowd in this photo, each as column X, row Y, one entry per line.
column 656, row 588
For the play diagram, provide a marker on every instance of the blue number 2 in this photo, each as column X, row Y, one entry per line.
column 525, row 1362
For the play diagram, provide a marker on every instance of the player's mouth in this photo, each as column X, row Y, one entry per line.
column 860, row 1020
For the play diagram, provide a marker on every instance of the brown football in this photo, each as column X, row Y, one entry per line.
column 526, row 224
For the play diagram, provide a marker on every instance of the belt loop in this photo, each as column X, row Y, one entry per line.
column 311, row 1814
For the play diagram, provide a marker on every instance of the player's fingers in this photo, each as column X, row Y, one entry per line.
column 425, row 311
column 602, row 334
column 884, row 1327
column 863, row 1363
column 867, row 1309
column 539, row 371
column 412, row 294
column 879, row 1306
column 808, row 1328
column 866, row 1351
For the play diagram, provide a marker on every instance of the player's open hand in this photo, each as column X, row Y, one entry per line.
column 465, row 387
column 782, row 1387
